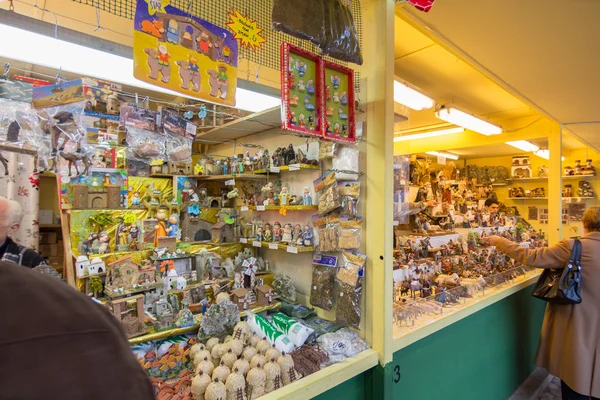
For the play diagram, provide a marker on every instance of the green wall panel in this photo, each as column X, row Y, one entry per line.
column 353, row 389
column 484, row 356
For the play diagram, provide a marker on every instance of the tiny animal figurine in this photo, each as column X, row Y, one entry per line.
column 74, row 158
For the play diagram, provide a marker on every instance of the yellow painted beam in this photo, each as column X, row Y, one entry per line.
column 555, row 186
column 379, row 72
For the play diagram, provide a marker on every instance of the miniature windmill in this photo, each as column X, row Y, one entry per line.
column 249, row 268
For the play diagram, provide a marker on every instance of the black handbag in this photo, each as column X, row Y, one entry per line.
column 562, row 286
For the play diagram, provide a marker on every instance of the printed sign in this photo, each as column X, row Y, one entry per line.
column 245, row 30
column 183, row 53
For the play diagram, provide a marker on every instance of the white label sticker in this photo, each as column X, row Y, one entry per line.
column 396, row 223
column 294, row 167
column 273, row 246
column 190, row 129
column 256, row 244
column 243, row 240
column 274, row 170
column 292, row 249
column 260, row 208
column 230, row 182
column 244, row 208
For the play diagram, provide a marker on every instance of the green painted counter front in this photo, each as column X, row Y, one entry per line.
column 484, row 356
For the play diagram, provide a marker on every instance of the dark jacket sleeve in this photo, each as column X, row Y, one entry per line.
column 32, row 259
column 555, row 256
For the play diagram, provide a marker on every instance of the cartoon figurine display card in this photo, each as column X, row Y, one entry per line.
column 300, row 90
column 186, row 54
column 339, row 103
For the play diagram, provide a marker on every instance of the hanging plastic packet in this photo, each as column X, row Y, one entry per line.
column 349, row 289
column 296, row 310
column 350, row 194
column 263, row 328
column 178, row 148
column 329, row 195
column 326, row 150
column 137, row 117
column 350, row 233
column 326, row 229
column 144, row 145
column 340, row 40
column 19, row 125
column 345, row 163
column 176, row 124
column 295, row 330
column 323, row 281
column 299, row 18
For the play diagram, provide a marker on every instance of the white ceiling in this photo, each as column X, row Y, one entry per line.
column 545, row 52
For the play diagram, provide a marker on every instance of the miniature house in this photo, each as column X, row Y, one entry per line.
column 521, row 160
column 132, row 325
column 521, row 171
column 126, row 274
column 266, row 294
column 96, row 267
column 241, row 297
column 179, row 168
column 174, row 281
column 168, row 242
column 218, row 232
column 81, row 266
column 97, row 199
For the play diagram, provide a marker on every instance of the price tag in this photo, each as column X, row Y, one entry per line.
column 260, row 208
column 292, row 249
column 273, row 246
column 396, row 223
column 294, row 167
column 274, row 170
column 256, row 244
column 230, row 182
column 243, row 240
column 244, row 208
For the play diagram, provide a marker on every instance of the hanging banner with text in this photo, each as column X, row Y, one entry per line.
column 186, row 54
column 245, row 30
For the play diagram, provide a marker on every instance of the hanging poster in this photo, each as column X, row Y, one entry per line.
column 186, row 54
column 300, row 91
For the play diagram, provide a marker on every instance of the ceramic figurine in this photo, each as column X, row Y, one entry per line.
column 268, row 233
column 343, row 98
column 301, row 87
column 297, row 234
column 335, row 81
column 160, row 230
column 302, row 121
column 135, row 199
column 329, row 112
column 287, row 234
column 225, row 167
column 284, row 196
column 294, row 200
column 328, row 127
column 310, row 87
column 259, row 234
column 291, row 80
column 293, row 100
column 311, row 122
column 293, row 119
column 342, row 113
column 307, row 104
column 301, row 68
column 104, row 241
column 307, row 236
column 173, row 229
column 306, row 197
column 336, row 129
column 336, row 97
column 277, row 232
column 344, row 131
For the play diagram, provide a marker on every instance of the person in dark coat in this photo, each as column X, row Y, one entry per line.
column 11, row 215
column 57, row 343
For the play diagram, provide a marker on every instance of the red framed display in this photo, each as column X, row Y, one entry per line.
column 338, row 107
column 301, row 91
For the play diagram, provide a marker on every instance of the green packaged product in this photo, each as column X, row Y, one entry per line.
column 321, row 326
column 296, row 310
column 295, row 330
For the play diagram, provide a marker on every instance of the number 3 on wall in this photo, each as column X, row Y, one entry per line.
column 397, row 374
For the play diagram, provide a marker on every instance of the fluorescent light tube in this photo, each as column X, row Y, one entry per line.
column 445, row 155
column 428, row 134
column 411, row 98
column 461, row 118
column 524, row 145
column 33, row 48
column 545, row 154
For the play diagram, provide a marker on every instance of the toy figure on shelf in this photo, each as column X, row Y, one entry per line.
column 306, row 197
column 103, row 241
column 284, row 196
column 307, row 104
column 297, row 234
column 134, row 233
column 293, row 100
column 307, row 236
column 287, row 234
column 589, row 169
column 224, row 167
column 301, row 87
column 135, row 199
column 277, row 232
column 310, row 87
column 302, row 120
column 259, row 234
column 268, row 233
column 294, row 201
column 160, row 230
column 173, row 229
column 343, row 98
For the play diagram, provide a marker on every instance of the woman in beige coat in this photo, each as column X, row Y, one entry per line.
column 570, row 338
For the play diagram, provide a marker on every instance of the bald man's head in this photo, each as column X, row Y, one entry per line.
column 11, row 215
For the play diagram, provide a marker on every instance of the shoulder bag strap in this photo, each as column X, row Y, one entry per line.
column 576, row 253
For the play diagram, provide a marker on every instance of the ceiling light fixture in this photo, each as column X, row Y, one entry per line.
column 524, row 145
column 445, row 155
column 406, row 95
column 37, row 49
column 428, row 134
column 545, row 154
column 461, row 118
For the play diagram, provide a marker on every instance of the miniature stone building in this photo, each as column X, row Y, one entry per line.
column 97, row 199
column 81, row 266
column 266, row 295
column 218, row 232
column 132, row 325
column 241, row 297
column 179, row 168
column 96, row 266
column 127, row 275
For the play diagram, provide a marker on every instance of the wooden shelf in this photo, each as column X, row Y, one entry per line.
column 211, row 177
column 249, row 125
column 278, row 246
column 277, row 208
column 545, row 198
column 537, row 178
column 286, row 168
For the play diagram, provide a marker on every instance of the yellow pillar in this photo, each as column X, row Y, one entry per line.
column 555, row 185
column 379, row 73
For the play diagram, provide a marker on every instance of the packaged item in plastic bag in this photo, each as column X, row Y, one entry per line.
column 349, row 289
column 326, row 150
column 302, row 19
column 342, row 344
column 178, row 148
column 144, row 145
column 350, row 233
column 329, row 195
column 295, row 330
column 19, row 125
column 263, row 328
column 175, row 124
column 137, row 117
column 345, row 163
column 322, row 326
column 296, row 310
column 323, row 281
column 339, row 38
column 326, row 229
column 350, row 194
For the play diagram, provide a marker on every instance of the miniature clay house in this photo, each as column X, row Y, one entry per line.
column 97, row 197
column 194, row 229
column 125, row 273
column 179, row 168
column 132, row 325
column 81, row 265
column 218, row 232
column 96, row 267
column 241, row 297
column 266, row 294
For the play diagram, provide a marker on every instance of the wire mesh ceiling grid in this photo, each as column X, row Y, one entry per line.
column 216, row 12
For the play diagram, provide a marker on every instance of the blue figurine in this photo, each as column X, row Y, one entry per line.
column 307, row 236
column 341, row 113
column 301, row 68
column 173, row 32
column 307, row 198
column 344, row 98
column 307, row 104
column 173, row 229
column 310, row 87
column 225, row 168
column 335, row 81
